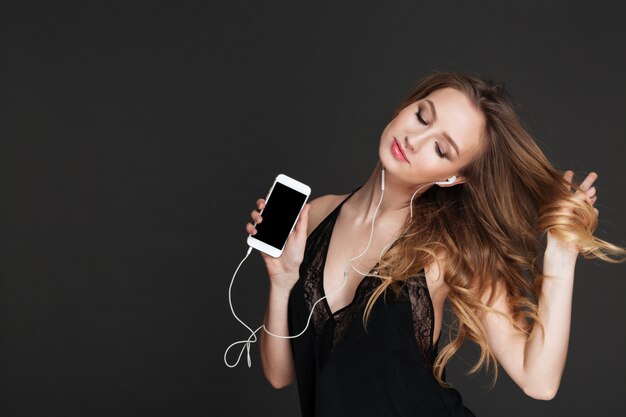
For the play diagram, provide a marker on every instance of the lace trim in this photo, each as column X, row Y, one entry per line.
column 423, row 316
column 416, row 288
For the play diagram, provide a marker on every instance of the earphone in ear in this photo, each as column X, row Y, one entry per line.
column 446, row 182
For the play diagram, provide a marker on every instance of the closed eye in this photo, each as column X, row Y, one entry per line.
column 419, row 117
column 438, row 150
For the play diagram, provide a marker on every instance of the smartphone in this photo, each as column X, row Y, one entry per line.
column 283, row 205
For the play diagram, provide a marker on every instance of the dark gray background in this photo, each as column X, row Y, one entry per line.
column 136, row 137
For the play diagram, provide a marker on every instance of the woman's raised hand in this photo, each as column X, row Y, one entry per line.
column 585, row 193
column 284, row 271
column 586, row 186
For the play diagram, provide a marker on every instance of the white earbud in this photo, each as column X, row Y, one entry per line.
column 448, row 181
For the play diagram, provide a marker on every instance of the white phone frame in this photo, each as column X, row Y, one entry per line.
column 295, row 185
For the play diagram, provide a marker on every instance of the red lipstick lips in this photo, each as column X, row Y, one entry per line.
column 397, row 151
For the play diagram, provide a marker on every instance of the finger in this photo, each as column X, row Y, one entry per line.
column 256, row 216
column 591, row 192
column 250, row 229
column 260, row 203
column 588, row 181
column 593, row 200
column 596, row 211
column 568, row 176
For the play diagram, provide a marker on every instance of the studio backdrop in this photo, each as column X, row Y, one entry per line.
column 136, row 137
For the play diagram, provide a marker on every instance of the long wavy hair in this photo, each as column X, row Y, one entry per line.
column 490, row 228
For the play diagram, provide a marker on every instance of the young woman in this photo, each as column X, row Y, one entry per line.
column 468, row 206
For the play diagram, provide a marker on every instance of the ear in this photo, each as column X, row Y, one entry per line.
column 459, row 180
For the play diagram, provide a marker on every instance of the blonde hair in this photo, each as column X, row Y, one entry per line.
column 490, row 228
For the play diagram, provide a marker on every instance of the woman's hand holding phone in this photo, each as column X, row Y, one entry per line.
column 284, row 271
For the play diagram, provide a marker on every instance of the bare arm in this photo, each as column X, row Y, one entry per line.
column 276, row 355
column 546, row 353
column 537, row 364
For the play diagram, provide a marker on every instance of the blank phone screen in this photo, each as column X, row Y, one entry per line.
column 279, row 215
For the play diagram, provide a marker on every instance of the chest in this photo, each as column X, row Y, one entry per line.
column 347, row 242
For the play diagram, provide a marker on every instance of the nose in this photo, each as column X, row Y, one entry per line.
column 405, row 143
column 411, row 144
column 414, row 142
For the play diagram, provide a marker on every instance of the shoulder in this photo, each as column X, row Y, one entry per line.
column 434, row 272
column 321, row 207
column 492, row 296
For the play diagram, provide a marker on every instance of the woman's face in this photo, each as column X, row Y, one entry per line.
column 438, row 135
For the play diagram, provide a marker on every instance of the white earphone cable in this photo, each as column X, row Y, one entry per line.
column 253, row 337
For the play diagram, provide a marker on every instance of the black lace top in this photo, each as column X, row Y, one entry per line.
column 341, row 369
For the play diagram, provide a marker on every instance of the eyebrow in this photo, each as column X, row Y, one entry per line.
column 445, row 135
